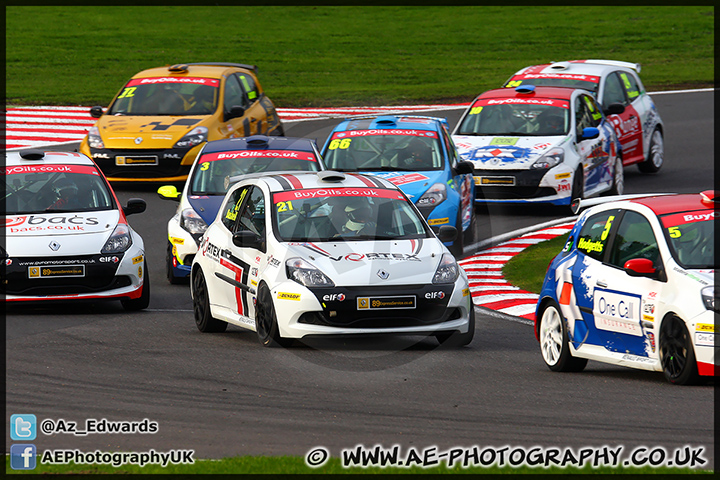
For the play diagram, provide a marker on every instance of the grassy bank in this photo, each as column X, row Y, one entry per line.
column 339, row 55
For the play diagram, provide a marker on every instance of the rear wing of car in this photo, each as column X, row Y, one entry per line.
column 616, row 63
column 180, row 67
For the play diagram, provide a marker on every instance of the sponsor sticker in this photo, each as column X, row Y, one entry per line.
column 497, row 181
column 439, row 221
column 386, row 303
column 56, row 271
column 288, row 296
column 705, row 339
column 560, row 176
column 137, row 259
column 137, row 160
column 705, row 327
column 177, row 241
column 504, row 141
column 617, row 312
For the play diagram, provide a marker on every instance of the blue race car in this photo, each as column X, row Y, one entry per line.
column 219, row 164
column 418, row 155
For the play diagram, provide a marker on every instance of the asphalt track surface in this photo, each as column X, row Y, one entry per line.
column 225, row 395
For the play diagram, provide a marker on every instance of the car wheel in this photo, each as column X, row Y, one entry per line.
column 618, row 186
column 142, row 302
column 169, row 271
column 578, row 186
column 458, row 246
column 554, row 345
column 204, row 320
column 656, row 154
column 266, row 320
column 457, row 339
column 676, row 352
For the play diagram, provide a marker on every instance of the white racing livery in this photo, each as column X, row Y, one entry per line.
column 66, row 235
column 297, row 254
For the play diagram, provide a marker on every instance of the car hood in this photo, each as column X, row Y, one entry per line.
column 413, row 184
column 161, row 131
column 504, row 153
column 366, row 262
column 206, row 206
column 83, row 232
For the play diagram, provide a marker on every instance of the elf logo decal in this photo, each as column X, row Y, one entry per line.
column 108, row 259
column 439, row 295
column 334, row 297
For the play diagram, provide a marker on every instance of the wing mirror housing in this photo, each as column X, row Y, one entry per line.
column 247, row 239
column 464, row 168
column 169, row 192
column 236, row 111
column 614, row 109
column 96, row 111
column 644, row 267
column 589, row 133
column 134, row 205
column 447, row 233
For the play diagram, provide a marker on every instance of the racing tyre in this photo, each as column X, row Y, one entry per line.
column 142, row 302
column 676, row 353
column 204, row 320
column 578, row 185
column 170, row 273
column 554, row 345
column 656, row 154
column 618, row 179
column 456, row 339
column 458, row 245
column 266, row 320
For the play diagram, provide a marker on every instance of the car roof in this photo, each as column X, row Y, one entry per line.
column 40, row 157
column 588, row 67
column 209, row 69
column 260, row 142
column 409, row 122
column 294, row 180
column 666, row 204
column 563, row 93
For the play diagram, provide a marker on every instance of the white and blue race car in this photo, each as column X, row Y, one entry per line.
column 634, row 286
column 296, row 254
column 539, row 145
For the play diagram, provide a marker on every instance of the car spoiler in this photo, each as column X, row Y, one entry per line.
column 580, row 204
column 183, row 66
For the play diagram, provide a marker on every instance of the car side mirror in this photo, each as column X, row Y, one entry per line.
column 247, row 239
column 236, row 111
column 134, row 205
column 589, row 133
column 447, row 233
column 464, row 168
column 96, row 112
column 641, row 267
column 614, row 109
column 169, row 192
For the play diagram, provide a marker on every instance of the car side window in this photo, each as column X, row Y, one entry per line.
column 248, row 84
column 595, row 233
column 232, row 207
column 252, row 214
column 614, row 91
column 587, row 113
column 631, row 86
column 450, row 147
column 634, row 239
column 234, row 94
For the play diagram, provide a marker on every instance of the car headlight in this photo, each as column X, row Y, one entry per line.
column 119, row 241
column 448, row 270
column 193, row 223
column 554, row 157
column 709, row 298
column 433, row 196
column 94, row 139
column 196, row 136
column 306, row 274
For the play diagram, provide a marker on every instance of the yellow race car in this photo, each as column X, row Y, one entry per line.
column 158, row 122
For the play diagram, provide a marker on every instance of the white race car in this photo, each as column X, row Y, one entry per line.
column 539, row 144
column 297, row 254
column 67, row 237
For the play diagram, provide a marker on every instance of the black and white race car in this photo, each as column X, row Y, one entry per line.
column 294, row 254
column 66, row 235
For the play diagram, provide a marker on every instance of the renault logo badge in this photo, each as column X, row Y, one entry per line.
column 383, row 274
column 54, row 246
column 138, row 140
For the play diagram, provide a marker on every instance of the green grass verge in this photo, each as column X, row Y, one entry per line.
column 296, row 465
column 527, row 269
column 345, row 55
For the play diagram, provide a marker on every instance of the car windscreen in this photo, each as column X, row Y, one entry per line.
column 691, row 236
column 213, row 171
column 167, row 96
column 345, row 214
column 384, row 150
column 54, row 188
column 588, row 82
column 518, row 117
